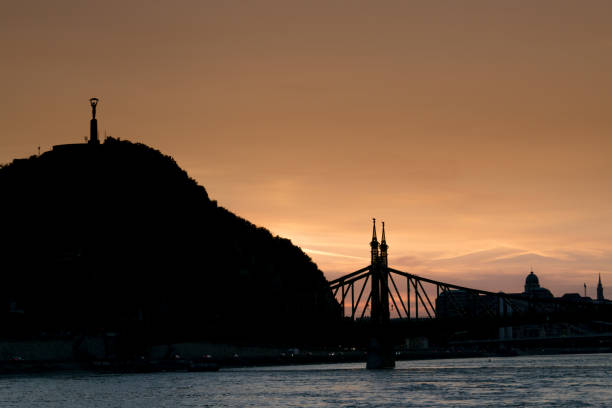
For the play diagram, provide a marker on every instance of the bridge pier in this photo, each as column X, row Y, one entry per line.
column 380, row 353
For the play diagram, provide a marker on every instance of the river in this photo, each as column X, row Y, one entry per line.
column 544, row 381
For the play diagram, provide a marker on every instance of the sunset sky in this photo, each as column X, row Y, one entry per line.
column 480, row 131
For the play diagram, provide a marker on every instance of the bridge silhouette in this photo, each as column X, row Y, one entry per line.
column 384, row 294
column 373, row 293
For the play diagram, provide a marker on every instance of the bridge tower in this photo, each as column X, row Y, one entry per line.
column 375, row 301
column 384, row 278
column 379, row 312
column 380, row 352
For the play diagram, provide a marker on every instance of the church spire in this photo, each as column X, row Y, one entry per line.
column 600, row 295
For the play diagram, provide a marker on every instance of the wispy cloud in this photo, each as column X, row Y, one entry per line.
column 333, row 254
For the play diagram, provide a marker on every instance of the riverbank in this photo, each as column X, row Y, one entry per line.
column 190, row 356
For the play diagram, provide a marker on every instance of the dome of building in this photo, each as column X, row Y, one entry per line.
column 532, row 279
column 531, row 282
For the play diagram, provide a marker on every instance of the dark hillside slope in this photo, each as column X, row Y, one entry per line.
column 117, row 236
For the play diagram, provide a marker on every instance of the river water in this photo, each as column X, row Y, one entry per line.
column 543, row 381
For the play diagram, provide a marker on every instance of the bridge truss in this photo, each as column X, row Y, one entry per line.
column 410, row 296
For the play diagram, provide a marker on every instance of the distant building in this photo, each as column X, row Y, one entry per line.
column 461, row 303
column 572, row 297
column 533, row 289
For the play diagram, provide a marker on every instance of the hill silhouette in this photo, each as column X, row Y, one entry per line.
column 118, row 237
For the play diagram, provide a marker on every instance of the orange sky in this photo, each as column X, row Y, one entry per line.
column 479, row 131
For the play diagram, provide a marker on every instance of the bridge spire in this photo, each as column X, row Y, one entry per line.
column 383, row 246
column 374, row 230
column 374, row 243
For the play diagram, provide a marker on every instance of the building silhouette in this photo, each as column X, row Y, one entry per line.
column 600, row 295
column 533, row 288
column 459, row 303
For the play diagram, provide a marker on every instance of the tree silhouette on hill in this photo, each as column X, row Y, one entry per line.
column 117, row 236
